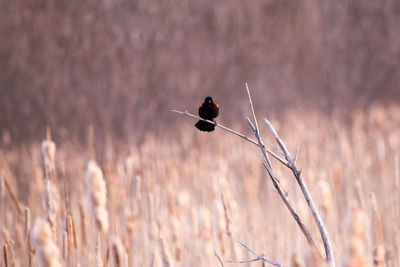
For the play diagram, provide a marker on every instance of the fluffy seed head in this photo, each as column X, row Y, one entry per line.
column 48, row 151
column 47, row 251
column 97, row 195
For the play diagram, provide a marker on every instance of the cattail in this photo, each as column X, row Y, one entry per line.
column 205, row 224
column 97, row 196
column 220, row 224
column 357, row 256
column 117, row 251
column 49, row 152
column 51, row 199
column 47, row 251
column 129, row 221
column 297, row 260
column 326, row 196
column 379, row 256
column 314, row 259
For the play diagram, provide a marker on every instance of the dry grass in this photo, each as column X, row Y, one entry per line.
column 158, row 203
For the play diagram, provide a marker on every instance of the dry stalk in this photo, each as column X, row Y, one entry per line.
column 6, row 255
column 30, row 249
column 219, row 259
column 14, row 198
column 228, row 229
column 379, row 250
column 83, row 224
column 27, row 221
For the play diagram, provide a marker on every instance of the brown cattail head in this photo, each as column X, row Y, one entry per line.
column 97, row 196
column 47, row 252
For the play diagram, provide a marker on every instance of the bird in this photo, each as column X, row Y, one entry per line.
column 208, row 110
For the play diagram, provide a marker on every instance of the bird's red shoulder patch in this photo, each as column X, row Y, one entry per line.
column 202, row 104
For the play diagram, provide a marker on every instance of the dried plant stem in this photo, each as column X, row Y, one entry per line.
column 186, row 113
column 219, row 259
column 27, row 220
column 228, row 225
column 83, row 225
column 6, row 256
column 258, row 256
column 14, row 197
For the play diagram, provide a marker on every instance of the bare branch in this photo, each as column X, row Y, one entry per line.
column 279, row 141
column 252, row 109
column 186, row 113
column 297, row 151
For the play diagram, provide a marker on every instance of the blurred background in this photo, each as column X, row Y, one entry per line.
column 104, row 75
column 122, row 65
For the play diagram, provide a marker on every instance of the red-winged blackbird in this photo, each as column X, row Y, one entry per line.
column 208, row 110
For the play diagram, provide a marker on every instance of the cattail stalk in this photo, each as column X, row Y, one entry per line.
column 27, row 220
column 14, row 198
column 6, row 255
column 83, row 224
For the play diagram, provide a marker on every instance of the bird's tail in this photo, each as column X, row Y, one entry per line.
column 205, row 126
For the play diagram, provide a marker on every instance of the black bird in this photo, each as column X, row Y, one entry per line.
column 208, row 110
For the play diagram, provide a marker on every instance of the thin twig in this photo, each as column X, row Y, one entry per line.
column 186, row 113
column 252, row 109
column 219, row 259
column 297, row 151
column 258, row 257
column 317, row 218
